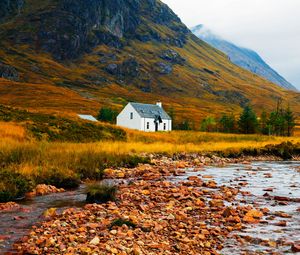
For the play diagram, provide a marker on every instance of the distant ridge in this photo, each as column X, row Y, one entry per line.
column 242, row 57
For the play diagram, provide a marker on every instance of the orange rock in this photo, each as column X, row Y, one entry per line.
column 207, row 176
column 296, row 248
column 216, row 203
column 51, row 212
column 181, row 165
column 253, row 216
column 199, row 203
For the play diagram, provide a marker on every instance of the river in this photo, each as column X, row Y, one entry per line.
column 283, row 178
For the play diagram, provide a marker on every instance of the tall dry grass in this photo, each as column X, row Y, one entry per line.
column 12, row 131
column 38, row 158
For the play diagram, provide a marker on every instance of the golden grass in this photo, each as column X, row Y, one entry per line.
column 40, row 158
column 45, row 98
column 121, row 148
column 11, row 131
column 65, row 155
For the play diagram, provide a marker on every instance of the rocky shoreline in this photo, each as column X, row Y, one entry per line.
column 157, row 215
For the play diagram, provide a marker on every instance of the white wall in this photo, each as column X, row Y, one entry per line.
column 152, row 125
column 124, row 120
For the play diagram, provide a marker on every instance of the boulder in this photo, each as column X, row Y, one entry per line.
column 112, row 68
column 164, row 68
column 130, row 68
column 8, row 72
column 296, row 247
column 253, row 216
column 172, row 56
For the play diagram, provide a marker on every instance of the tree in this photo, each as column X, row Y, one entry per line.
column 264, row 127
column 281, row 121
column 248, row 121
column 208, row 124
column 185, row 125
column 107, row 114
column 227, row 123
column 290, row 121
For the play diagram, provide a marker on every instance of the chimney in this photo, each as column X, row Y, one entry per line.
column 159, row 104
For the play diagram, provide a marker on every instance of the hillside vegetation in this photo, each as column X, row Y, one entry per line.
column 75, row 56
column 36, row 148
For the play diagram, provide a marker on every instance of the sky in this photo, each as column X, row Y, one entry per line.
column 270, row 27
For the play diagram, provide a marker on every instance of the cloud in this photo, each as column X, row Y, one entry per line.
column 270, row 27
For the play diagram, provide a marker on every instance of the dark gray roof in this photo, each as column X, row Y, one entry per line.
column 150, row 111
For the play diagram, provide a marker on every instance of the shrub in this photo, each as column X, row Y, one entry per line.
column 13, row 185
column 58, row 178
column 107, row 114
column 120, row 222
column 101, row 193
column 285, row 150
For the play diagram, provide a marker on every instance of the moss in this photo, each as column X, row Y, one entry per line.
column 13, row 185
column 120, row 222
column 285, row 150
column 59, row 179
column 101, row 193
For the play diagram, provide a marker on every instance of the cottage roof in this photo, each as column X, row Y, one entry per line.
column 150, row 111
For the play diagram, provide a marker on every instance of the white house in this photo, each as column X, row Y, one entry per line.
column 145, row 117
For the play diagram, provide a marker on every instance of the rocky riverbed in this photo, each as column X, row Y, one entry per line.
column 195, row 205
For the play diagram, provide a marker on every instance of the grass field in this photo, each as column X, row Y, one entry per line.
column 62, row 163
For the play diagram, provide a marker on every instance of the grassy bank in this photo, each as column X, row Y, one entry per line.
column 65, row 163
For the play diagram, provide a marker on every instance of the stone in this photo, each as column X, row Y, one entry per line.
column 112, row 68
column 8, row 72
column 164, row 68
column 9, row 206
column 216, row 203
column 281, row 223
column 172, row 56
column 95, row 241
column 253, row 216
column 296, row 247
column 49, row 213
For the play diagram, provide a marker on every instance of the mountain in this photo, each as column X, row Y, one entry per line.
column 242, row 57
column 74, row 56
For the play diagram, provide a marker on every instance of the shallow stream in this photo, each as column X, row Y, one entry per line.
column 282, row 177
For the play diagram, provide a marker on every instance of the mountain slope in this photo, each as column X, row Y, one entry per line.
column 242, row 57
column 109, row 52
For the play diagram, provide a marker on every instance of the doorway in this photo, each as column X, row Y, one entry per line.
column 156, row 126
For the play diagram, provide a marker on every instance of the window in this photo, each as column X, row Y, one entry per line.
column 165, row 126
column 148, row 125
column 131, row 115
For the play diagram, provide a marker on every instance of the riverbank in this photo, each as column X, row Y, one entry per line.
column 26, row 162
column 172, row 206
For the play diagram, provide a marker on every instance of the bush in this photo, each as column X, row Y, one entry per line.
column 120, row 222
column 13, row 185
column 107, row 114
column 59, row 179
column 285, row 150
column 101, row 193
